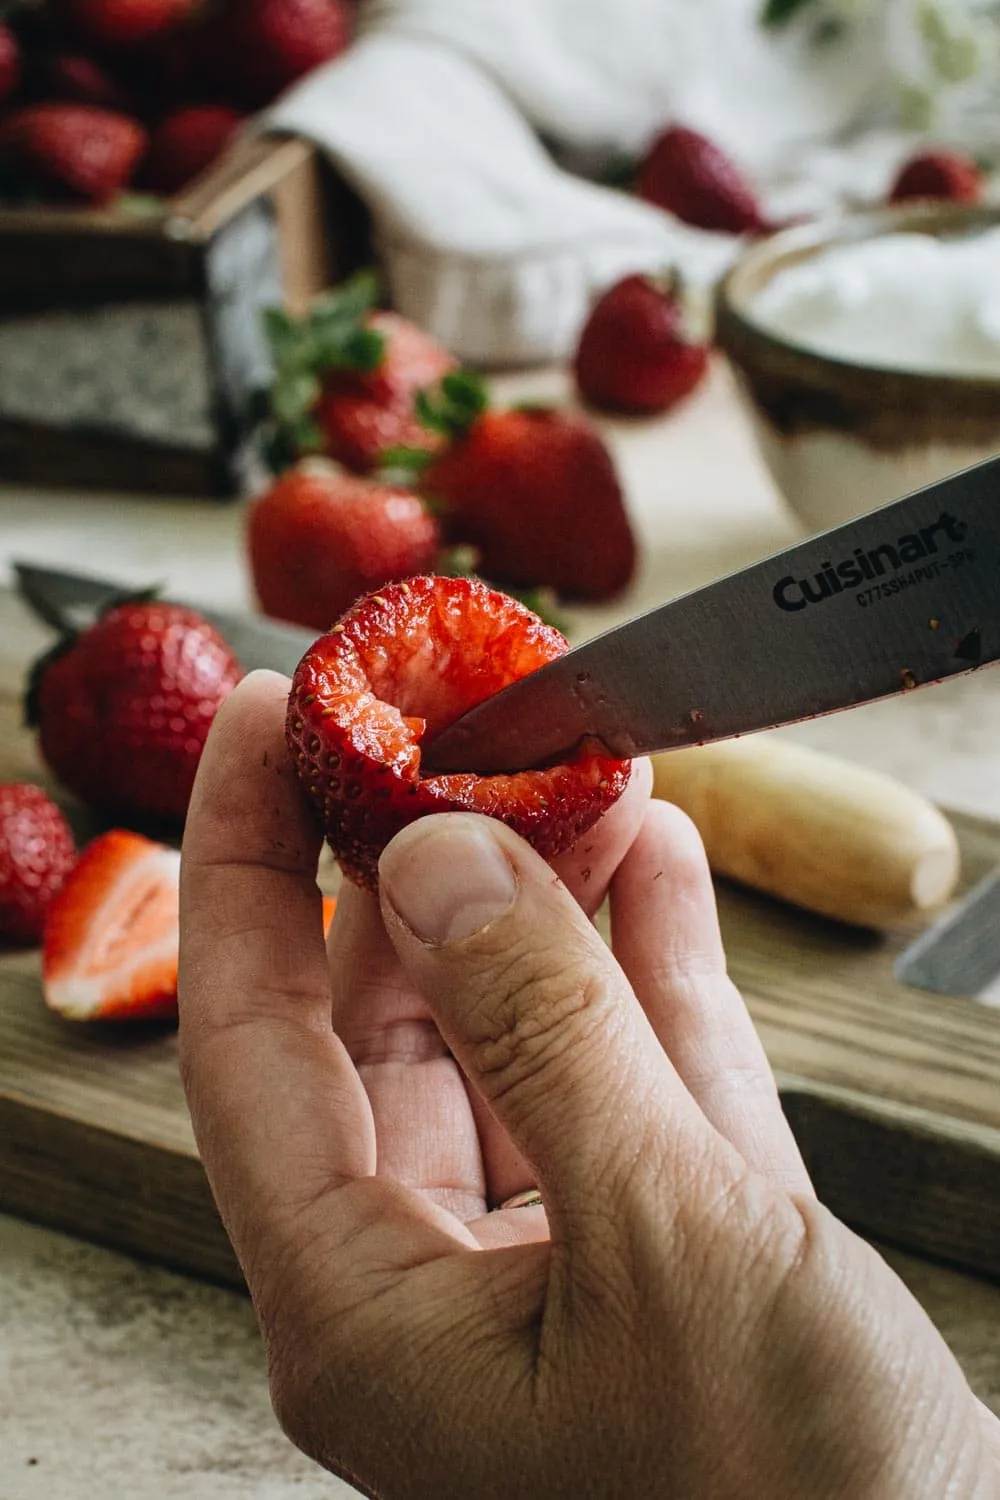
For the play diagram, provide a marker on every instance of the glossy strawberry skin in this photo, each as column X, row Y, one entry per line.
column 633, row 356
column 37, row 853
column 186, row 143
column 536, row 493
column 946, row 175
column 10, row 64
column 123, row 711
column 320, row 538
column 261, row 47
column 73, row 150
column 363, row 415
column 690, row 177
column 399, row 667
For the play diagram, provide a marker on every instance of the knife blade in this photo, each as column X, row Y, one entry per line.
column 906, row 595
column 77, row 599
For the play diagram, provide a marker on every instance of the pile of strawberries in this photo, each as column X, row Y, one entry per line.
column 99, row 97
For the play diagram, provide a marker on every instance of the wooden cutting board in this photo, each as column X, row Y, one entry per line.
column 894, row 1095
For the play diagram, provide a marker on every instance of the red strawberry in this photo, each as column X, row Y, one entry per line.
column 689, row 176
column 123, row 710
column 111, row 938
column 348, row 376
column 113, row 934
column 321, row 537
column 125, row 23
column 186, row 143
column 939, row 174
column 261, row 47
column 633, row 354
column 400, row 667
column 363, row 416
column 10, row 64
column 73, row 150
column 37, row 852
column 534, row 491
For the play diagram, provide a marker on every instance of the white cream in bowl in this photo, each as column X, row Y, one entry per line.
column 903, row 301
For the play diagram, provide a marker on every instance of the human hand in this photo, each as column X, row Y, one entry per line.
column 682, row 1319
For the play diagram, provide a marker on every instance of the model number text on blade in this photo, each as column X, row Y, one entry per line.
column 925, row 574
column 886, row 560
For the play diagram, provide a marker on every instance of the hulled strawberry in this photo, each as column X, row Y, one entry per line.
column 123, row 709
column 948, row 175
column 261, row 47
column 535, row 492
column 125, row 23
column 186, row 143
column 10, row 64
column 635, row 354
column 398, row 668
column 72, row 150
column 37, row 852
column 320, row 537
column 347, row 378
column 693, row 179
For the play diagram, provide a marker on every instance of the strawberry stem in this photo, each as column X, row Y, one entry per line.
column 331, row 336
column 453, row 406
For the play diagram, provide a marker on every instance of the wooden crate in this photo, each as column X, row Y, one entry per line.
column 130, row 343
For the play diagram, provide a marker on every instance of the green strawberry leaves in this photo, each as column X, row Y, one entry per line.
column 332, row 335
column 453, row 406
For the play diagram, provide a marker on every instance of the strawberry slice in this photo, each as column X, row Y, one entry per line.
column 110, row 949
column 399, row 667
column 113, row 933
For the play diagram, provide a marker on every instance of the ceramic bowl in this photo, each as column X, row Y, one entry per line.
column 842, row 438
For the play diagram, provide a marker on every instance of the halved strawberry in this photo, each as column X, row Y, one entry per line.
column 113, row 933
column 110, row 948
column 399, row 667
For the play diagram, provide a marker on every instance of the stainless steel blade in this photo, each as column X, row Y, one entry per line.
column 78, row 598
column 960, row 954
column 904, row 596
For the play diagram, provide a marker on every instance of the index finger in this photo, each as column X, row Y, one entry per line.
column 279, row 1113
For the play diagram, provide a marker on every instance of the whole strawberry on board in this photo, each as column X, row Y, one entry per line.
column 948, row 175
column 72, row 151
column 637, row 353
column 126, row 23
column 534, row 490
column 320, row 537
column 346, row 379
column 113, row 933
column 259, row 48
column 186, row 143
column 124, row 708
column 37, row 852
column 10, row 64
column 690, row 177
column 398, row 668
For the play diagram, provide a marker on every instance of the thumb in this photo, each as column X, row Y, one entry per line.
column 532, row 1004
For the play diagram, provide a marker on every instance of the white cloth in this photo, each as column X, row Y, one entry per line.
column 437, row 115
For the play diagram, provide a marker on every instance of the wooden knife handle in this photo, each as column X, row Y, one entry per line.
column 814, row 830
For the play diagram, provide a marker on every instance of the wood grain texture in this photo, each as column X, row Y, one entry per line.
column 894, row 1095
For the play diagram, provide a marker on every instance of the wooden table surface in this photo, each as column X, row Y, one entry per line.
column 704, row 505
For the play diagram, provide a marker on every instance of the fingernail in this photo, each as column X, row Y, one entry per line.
column 447, row 877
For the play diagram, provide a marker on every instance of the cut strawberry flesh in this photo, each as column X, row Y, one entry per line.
column 401, row 666
column 111, row 940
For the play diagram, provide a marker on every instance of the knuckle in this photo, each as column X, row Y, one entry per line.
column 537, row 1009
